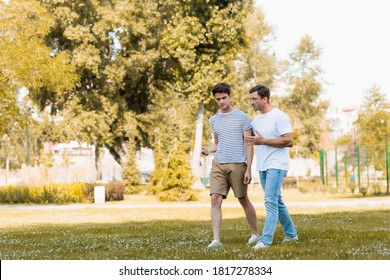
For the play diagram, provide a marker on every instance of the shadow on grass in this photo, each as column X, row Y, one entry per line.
column 333, row 236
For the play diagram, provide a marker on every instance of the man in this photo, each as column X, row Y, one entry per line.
column 273, row 139
column 231, row 167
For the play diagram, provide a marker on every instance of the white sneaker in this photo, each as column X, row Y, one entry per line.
column 287, row 239
column 253, row 239
column 260, row 245
column 215, row 244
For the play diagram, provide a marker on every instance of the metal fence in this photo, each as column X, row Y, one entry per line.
column 361, row 168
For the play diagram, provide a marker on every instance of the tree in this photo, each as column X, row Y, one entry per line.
column 114, row 47
column 133, row 57
column 26, row 61
column 373, row 125
column 131, row 175
column 201, row 42
column 303, row 104
column 254, row 64
column 177, row 178
column 205, row 44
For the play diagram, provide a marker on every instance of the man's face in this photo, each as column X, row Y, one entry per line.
column 223, row 100
column 256, row 101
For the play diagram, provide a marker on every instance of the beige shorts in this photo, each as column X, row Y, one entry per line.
column 228, row 175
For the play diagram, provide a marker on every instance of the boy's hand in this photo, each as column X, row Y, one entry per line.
column 205, row 151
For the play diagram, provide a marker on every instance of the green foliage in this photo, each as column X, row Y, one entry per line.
column 290, row 182
column 371, row 132
column 176, row 179
column 254, row 63
column 373, row 125
column 131, row 174
column 57, row 193
column 114, row 48
column 201, row 43
column 25, row 59
column 171, row 129
column 14, row 145
column 303, row 104
column 312, row 184
column 46, row 160
column 132, row 69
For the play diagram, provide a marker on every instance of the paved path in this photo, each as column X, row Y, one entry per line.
column 353, row 202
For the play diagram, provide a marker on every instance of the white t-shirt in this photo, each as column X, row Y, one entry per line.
column 272, row 125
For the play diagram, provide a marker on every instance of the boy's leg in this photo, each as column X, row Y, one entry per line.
column 216, row 215
column 219, row 189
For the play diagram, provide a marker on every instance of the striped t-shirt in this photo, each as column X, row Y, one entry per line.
column 229, row 129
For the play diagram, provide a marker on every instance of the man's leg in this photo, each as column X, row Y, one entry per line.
column 250, row 214
column 271, row 181
column 285, row 219
column 216, row 215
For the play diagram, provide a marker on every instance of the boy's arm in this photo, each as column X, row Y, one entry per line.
column 213, row 147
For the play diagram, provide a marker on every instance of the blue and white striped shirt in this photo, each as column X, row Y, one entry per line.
column 229, row 129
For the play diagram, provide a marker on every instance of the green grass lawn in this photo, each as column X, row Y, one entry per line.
column 357, row 235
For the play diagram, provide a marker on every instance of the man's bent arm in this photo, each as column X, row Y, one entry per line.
column 285, row 140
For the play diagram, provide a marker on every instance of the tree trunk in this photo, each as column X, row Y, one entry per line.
column 115, row 155
column 98, row 165
column 196, row 170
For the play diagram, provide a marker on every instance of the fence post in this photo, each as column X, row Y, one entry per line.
column 326, row 169
column 368, row 170
column 387, row 167
column 322, row 166
column 358, row 162
column 337, row 169
column 346, row 167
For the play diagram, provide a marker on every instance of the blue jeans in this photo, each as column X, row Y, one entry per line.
column 271, row 181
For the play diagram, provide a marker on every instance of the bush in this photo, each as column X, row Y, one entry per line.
column 136, row 189
column 178, row 195
column 131, row 174
column 14, row 194
column 48, row 193
column 59, row 193
column 176, row 179
column 114, row 191
column 312, row 184
column 290, row 182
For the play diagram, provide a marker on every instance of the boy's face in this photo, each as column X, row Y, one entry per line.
column 223, row 100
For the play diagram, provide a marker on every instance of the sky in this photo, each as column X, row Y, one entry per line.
column 354, row 36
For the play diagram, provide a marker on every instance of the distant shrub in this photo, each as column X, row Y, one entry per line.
column 137, row 189
column 290, row 182
column 376, row 188
column 178, row 195
column 131, row 174
column 114, row 191
column 312, row 184
column 49, row 193
column 176, row 179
